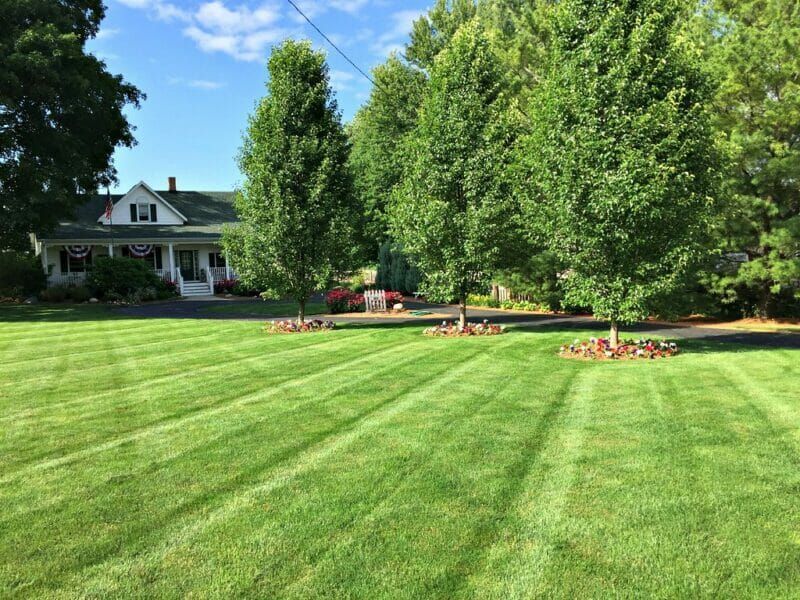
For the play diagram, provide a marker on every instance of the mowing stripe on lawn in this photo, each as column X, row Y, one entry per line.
column 227, row 383
column 180, row 370
column 301, row 463
column 232, row 486
column 175, row 421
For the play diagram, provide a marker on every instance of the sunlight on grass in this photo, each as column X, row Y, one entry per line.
column 200, row 457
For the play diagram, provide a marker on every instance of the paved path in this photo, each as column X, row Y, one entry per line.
column 199, row 309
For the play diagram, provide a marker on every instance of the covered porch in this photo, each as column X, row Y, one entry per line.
column 193, row 267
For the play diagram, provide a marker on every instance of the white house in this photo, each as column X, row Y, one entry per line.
column 176, row 232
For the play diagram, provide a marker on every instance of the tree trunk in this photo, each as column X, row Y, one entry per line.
column 301, row 313
column 766, row 296
column 462, row 312
column 613, row 336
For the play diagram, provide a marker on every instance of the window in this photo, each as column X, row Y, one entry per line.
column 70, row 264
column 144, row 212
column 153, row 259
column 216, row 259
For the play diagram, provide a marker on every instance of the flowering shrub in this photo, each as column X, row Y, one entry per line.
column 343, row 300
column 448, row 329
column 599, row 348
column 224, row 286
column 392, row 298
column 524, row 305
column 293, row 327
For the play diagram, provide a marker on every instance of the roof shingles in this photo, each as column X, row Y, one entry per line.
column 206, row 213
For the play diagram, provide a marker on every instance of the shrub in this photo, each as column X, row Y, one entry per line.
column 79, row 293
column 56, row 293
column 225, row 286
column 343, row 300
column 122, row 277
column 393, row 298
column 166, row 290
column 482, row 300
column 240, row 289
column 20, row 275
column 394, row 270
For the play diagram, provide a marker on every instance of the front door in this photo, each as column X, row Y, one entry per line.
column 188, row 265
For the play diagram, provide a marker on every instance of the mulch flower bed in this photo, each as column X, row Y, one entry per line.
column 599, row 349
column 449, row 329
column 312, row 326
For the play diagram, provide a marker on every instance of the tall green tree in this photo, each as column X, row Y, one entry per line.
column 377, row 134
column 453, row 212
column 753, row 50
column 618, row 175
column 61, row 113
column 296, row 206
column 431, row 33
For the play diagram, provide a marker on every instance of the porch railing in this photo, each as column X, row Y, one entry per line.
column 66, row 279
column 221, row 273
column 164, row 274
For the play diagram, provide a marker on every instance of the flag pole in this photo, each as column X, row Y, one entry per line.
column 109, row 210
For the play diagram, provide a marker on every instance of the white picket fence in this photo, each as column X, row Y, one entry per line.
column 504, row 294
column 375, row 300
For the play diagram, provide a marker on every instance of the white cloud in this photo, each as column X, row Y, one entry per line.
column 349, row 6
column 392, row 39
column 341, row 80
column 216, row 16
column 202, row 84
column 106, row 33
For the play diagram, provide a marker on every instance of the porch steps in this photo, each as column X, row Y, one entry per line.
column 196, row 288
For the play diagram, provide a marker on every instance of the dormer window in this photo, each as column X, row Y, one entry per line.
column 144, row 212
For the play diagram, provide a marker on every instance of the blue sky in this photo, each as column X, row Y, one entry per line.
column 202, row 64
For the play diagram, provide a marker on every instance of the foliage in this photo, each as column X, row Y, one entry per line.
column 535, row 276
column 453, row 212
column 619, row 170
column 344, row 301
column 55, row 293
column 225, row 286
column 447, row 329
column 394, row 270
column 752, row 49
column 601, row 349
column 376, row 133
column 119, row 278
column 61, row 114
column 482, row 300
column 431, row 33
column 312, row 326
column 20, row 275
column 297, row 210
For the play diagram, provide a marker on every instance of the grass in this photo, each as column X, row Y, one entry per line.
column 265, row 309
column 167, row 458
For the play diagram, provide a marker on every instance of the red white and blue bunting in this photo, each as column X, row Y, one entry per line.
column 140, row 250
column 78, row 251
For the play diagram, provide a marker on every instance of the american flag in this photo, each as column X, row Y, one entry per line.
column 109, row 205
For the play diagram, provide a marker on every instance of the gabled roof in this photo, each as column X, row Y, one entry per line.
column 205, row 214
column 142, row 184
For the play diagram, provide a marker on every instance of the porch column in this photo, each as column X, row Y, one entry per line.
column 110, row 250
column 171, row 262
column 44, row 260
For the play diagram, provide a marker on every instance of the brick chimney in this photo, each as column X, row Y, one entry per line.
column 173, row 186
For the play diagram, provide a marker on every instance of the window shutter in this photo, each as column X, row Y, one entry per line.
column 157, row 251
column 62, row 255
column 153, row 214
column 212, row 260
column 134, row 214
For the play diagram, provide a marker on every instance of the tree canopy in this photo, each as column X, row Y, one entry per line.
column 61, row 114
column 296, row 207
column 618, row 175
column 454, row 210
column 753, row 53
column 377, row 134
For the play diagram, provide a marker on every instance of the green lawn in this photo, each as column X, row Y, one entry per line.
column 265, row 309
column 165, row 458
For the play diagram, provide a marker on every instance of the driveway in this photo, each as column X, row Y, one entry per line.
column 199, row 309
